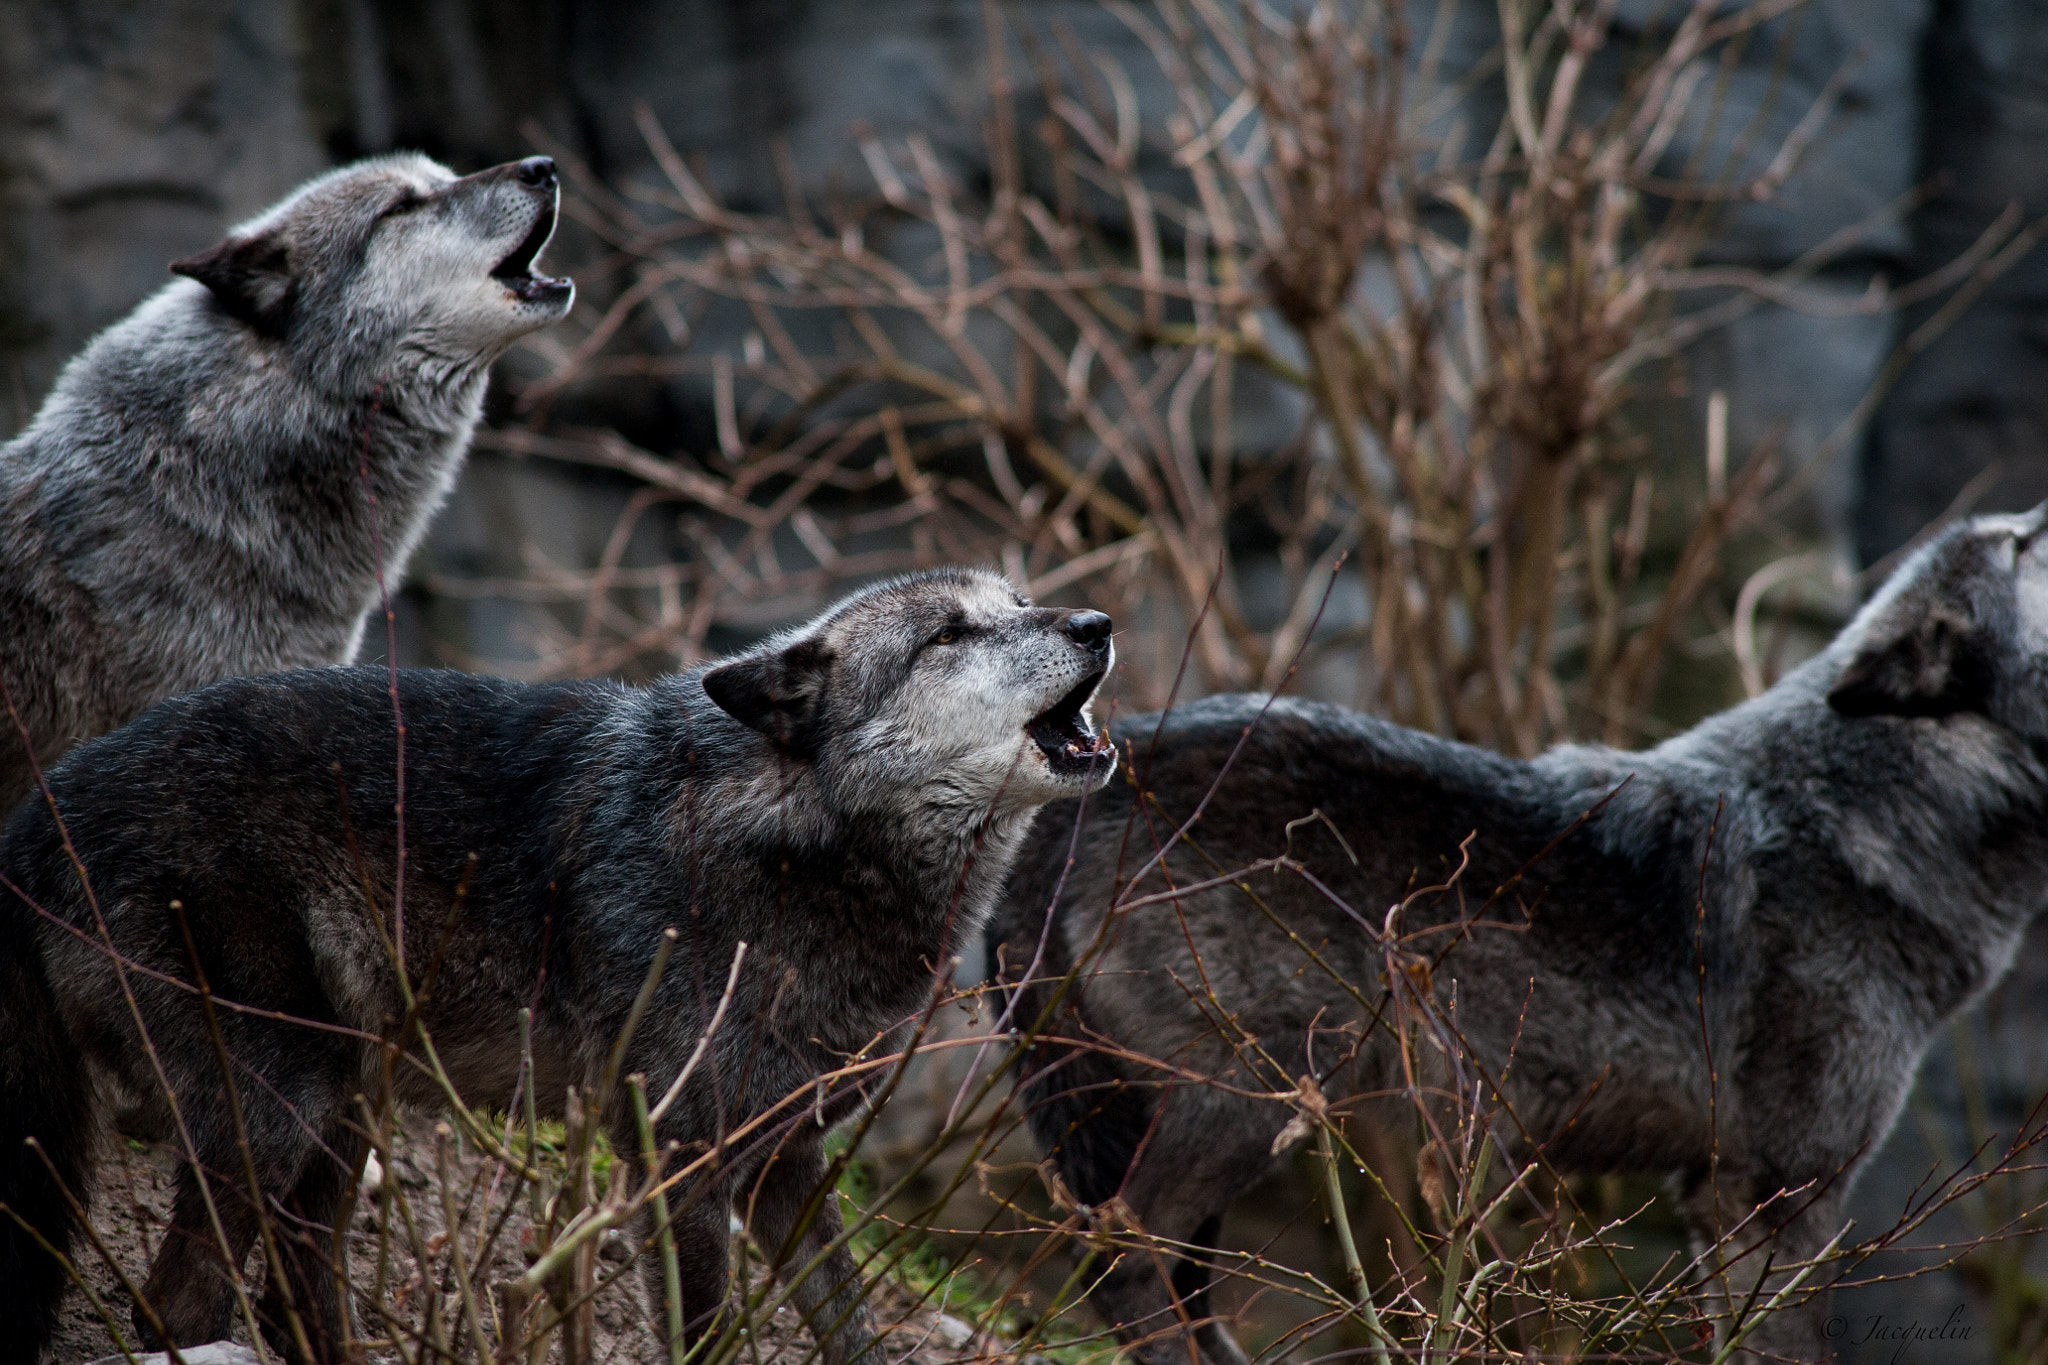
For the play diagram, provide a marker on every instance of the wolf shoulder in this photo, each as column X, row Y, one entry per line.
column 172, row 362
column 177, row 415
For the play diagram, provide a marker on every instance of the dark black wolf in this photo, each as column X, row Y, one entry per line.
column 1810, row 885
column 846, row 800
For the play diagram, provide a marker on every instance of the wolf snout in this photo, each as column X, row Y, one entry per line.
column 537, row 171
column 1089, row 629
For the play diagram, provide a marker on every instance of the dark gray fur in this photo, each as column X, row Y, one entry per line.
column 846, row 800
column 188, row 504
column 1872, row 839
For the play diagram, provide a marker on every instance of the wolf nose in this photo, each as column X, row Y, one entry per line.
column 1089, row 629
column 537, row 171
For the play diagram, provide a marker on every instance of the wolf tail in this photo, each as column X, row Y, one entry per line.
column 44, row 1096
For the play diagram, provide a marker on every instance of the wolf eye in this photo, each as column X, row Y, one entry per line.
column 404, row 203
column 949, row 633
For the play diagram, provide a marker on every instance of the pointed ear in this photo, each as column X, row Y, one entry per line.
column 777, row 694
column 1934, row 665
column 251, row 276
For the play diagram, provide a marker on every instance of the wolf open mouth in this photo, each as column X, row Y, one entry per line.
column 1062, row 731
column 515, row 272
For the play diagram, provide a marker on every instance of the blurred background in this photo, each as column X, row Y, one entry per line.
column 1521, row 372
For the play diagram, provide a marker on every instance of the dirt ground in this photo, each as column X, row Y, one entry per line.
column 133, row 1200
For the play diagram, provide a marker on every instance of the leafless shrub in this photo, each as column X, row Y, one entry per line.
column 1075, row 373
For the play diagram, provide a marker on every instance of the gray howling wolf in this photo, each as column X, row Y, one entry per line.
column 846, row 800
column 190, row 503
column 1804, row 889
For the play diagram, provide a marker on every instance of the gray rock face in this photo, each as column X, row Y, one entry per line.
column 1978, row 396
column 130, row 133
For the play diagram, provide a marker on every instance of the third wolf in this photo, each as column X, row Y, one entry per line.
column 1718, row 961
column 193, row 500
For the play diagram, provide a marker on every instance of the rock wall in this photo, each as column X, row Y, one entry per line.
column 1978, row 396
column 131, row 133
column 134, row 132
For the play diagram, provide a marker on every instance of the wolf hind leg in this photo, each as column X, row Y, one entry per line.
column 1191, row 1285
column 1782, row 1247
column 1157, row 1300
column 45, row 1095
column 700, row 1226
column 1202, row 1150
column 1172, row 1164
column 191, row 1282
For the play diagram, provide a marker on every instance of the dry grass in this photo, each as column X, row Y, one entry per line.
column 132, row 1207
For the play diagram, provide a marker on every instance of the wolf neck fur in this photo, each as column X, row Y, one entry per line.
column 944, row 871
column 1934, row 860
column 236, row 477
column 942, row 874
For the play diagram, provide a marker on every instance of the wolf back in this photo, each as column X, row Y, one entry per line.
column 190, row 503
column 845, row 800
column 1818, row 880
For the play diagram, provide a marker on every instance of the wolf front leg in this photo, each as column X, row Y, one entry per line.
column 1766, row 1266
column 700, row 1230
column 796, row 1217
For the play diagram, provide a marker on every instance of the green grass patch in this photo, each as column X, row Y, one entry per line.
column 547, row 1149
column 948, row 1283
